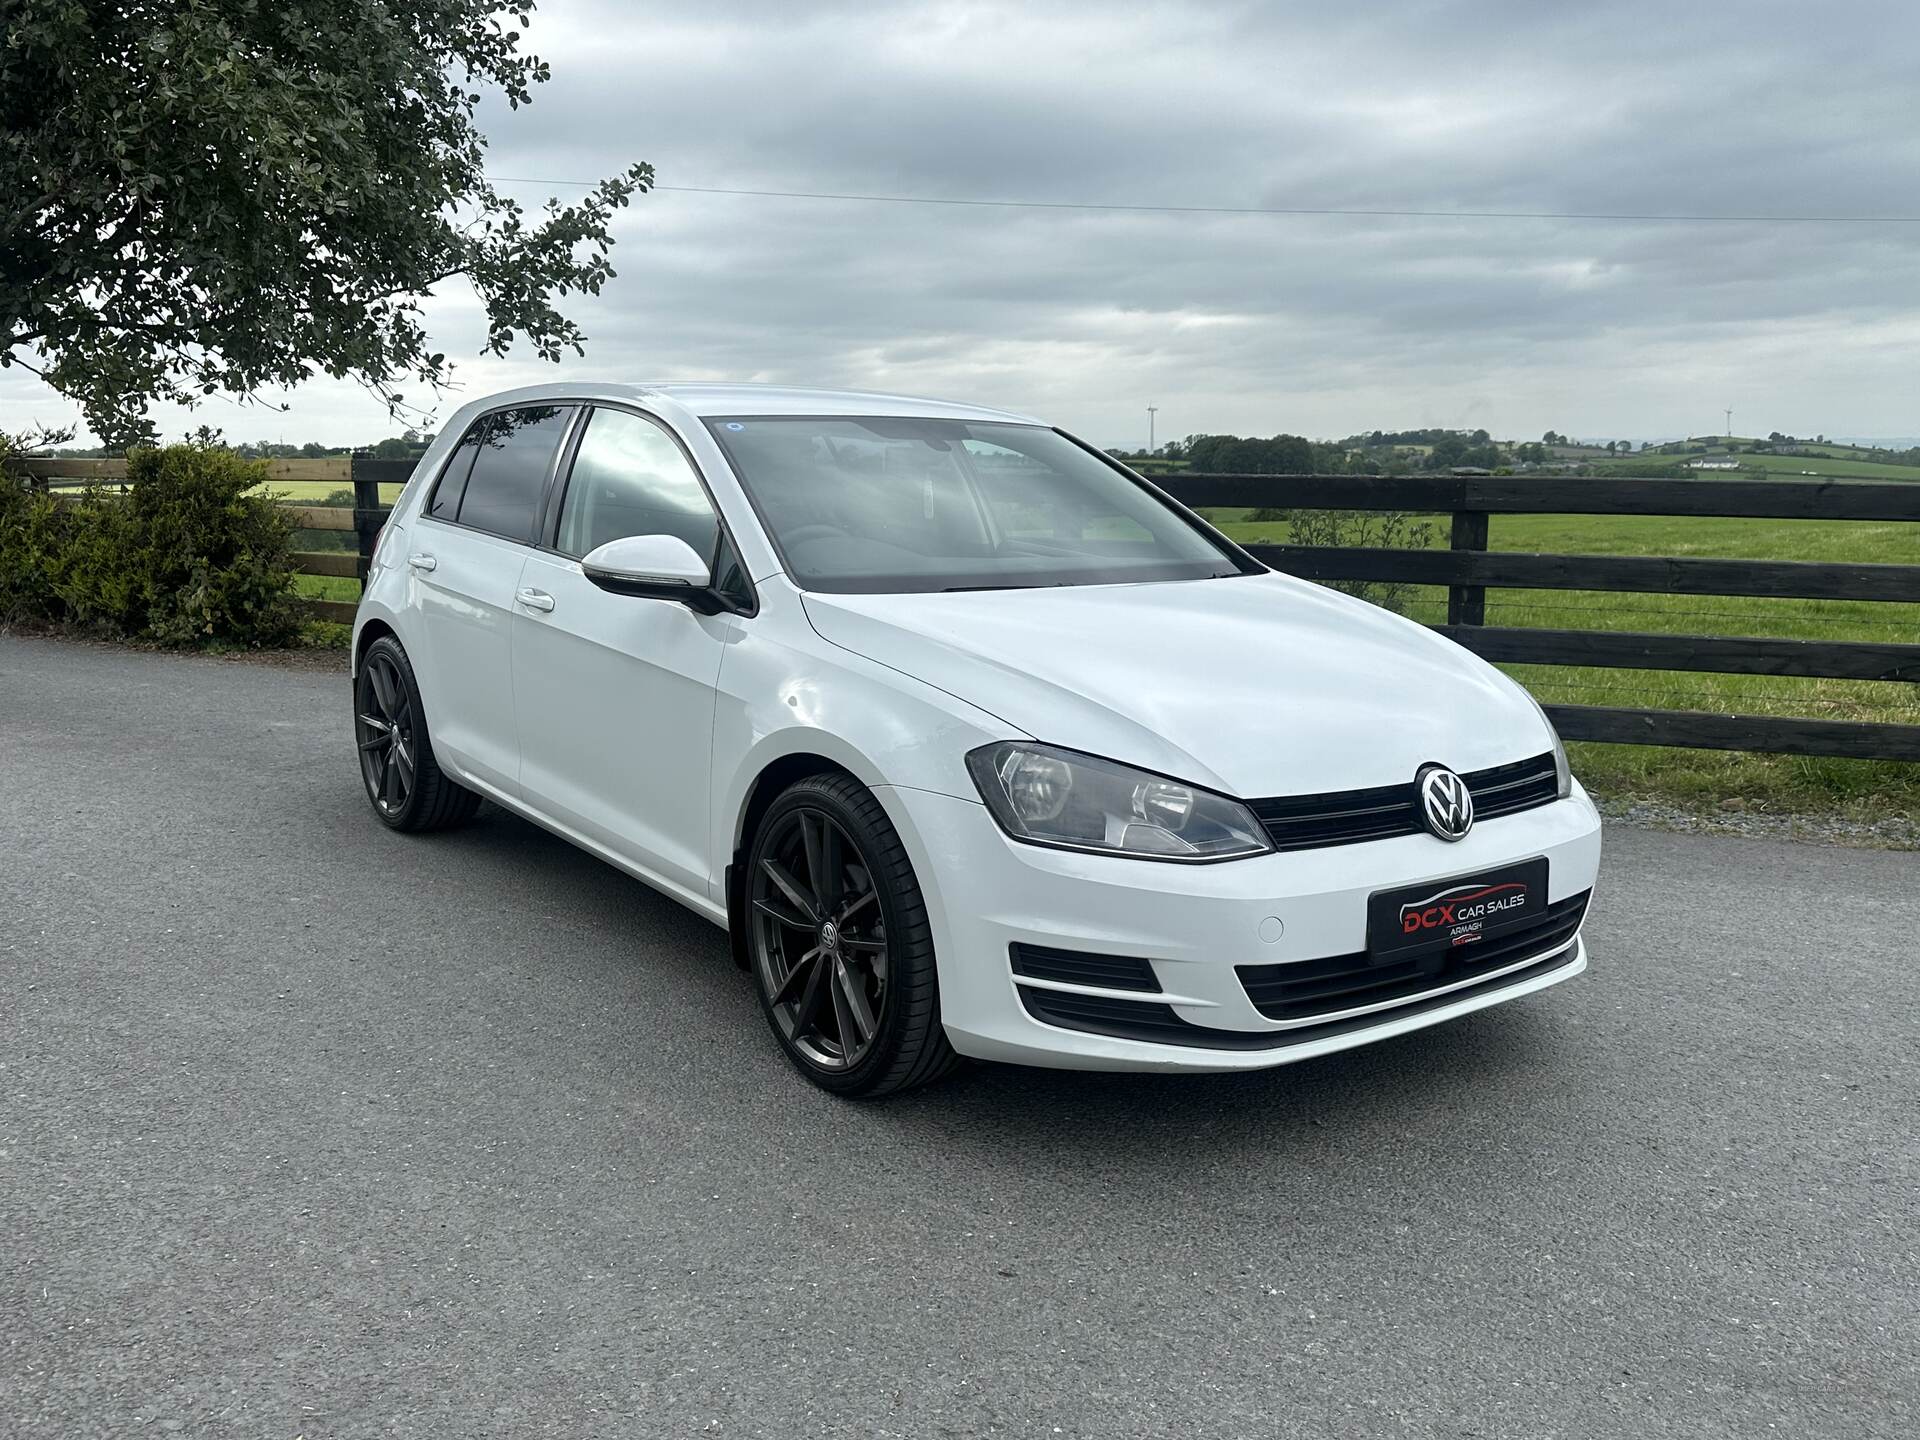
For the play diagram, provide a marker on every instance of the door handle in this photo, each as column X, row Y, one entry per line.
column 535, row 600
column 422, row 562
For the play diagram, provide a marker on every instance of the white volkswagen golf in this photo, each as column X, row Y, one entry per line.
column 975, row 742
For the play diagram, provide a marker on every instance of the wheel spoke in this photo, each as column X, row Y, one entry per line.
column 784, row 916
column 864, row 947
column 855, row 907
column 390, row 788
column 810, row 842
column 382, row 687
column 842, row 1019
column 788, row 985
column 378, row 742
column 806, row 1014
column 833, row 882
column 801, row 900
column 405, row 757
column 850, row 1000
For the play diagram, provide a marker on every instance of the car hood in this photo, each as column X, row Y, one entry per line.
column 1254, row 685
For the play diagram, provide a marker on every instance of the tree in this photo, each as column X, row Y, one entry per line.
column 1455, row 448
column 217, row 195
column 1232, row 455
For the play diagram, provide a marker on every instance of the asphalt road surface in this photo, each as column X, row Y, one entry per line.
column 314, row 1130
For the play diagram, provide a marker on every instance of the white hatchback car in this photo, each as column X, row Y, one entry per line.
column 976, row 742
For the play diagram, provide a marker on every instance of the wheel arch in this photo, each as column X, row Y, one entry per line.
column 371, row 631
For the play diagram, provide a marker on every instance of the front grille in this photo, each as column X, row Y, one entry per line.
column 1305, row 988
column 1079, row 967
column 1347, row 817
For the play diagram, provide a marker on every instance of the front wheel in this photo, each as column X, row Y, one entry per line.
column 841, row 948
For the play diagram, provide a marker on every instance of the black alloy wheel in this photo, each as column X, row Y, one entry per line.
column 384, row 725
column 842, row 952
column 820, row 938
column 404, row 781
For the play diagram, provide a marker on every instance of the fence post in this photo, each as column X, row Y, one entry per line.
column 367, row 515
column 1467, row 604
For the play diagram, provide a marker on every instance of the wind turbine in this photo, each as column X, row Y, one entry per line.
column 1729, row 415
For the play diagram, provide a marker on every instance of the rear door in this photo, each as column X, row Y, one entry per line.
column 616, row 693
column 466, row 553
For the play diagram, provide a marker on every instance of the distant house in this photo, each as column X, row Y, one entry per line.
column 1713, row 464
column 1469, row 470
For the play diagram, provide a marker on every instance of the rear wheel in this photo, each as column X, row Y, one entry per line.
column 408, row 788
column 842, row 952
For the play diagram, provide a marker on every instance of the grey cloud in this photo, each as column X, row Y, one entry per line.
column 1319, row 324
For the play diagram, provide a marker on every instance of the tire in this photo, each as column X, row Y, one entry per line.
column 386, row 708
column 873, row 1028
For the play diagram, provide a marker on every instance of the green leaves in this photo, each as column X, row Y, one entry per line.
column 214, row 195
column 189, row 554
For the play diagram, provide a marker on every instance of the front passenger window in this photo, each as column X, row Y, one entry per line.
column 630, row 478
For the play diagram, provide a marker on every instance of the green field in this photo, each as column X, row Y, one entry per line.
column 1780, row 782
column 312, row 492
column 1826, row 465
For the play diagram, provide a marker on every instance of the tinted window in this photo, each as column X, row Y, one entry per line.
column 631, row 478
column 513, row 451
column 879, row 504
column 445, row 504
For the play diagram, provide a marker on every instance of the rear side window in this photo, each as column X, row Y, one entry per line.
column 630, row 478
column 445, row 504
column 511, row 451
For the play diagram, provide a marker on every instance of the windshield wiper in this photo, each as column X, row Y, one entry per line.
column 956, row 589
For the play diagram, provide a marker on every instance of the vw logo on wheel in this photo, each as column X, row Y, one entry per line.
column 1446, row 805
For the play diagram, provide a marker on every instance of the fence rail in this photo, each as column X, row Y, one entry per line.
column 1468, row 569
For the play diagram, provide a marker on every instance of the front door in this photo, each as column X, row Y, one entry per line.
column 615, row 694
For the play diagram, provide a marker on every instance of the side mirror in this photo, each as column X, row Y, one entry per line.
column 655, row 567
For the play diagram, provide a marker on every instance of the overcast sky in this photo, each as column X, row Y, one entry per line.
column 1320, row 325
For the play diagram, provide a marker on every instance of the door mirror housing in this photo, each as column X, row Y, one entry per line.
column 654, row 567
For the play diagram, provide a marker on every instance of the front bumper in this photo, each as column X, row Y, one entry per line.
column 1195, row 924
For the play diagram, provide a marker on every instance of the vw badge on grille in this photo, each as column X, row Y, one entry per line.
column 1445, row 802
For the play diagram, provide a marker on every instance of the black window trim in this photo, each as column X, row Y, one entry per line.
column 560, row 451
column 549, row 535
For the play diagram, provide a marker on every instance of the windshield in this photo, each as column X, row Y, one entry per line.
column 883, row 505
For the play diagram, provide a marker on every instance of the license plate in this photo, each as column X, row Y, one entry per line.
column 1451, row 914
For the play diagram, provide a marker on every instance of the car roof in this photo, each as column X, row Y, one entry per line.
column 714, row 398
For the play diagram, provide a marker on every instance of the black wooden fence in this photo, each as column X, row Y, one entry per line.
column 1468, row 569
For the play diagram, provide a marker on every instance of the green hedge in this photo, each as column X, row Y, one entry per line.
column 185, row 557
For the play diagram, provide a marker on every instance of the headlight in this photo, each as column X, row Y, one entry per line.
column 1562, row 773
column 1059, row 797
